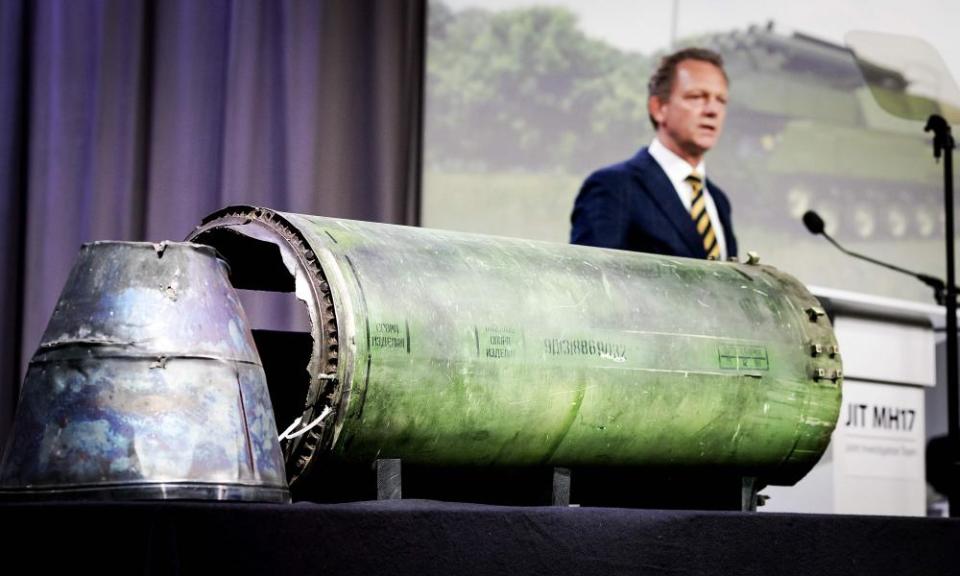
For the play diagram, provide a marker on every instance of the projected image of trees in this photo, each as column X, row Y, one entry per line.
column 526, row 90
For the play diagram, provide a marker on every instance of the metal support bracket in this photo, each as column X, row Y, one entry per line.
column 561, row 487
column 389, row 478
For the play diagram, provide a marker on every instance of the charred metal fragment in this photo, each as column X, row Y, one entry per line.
column 134, row 394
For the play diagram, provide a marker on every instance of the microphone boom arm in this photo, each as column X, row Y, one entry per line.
column 938, row 285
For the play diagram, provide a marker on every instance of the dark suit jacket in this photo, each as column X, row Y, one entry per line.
column 633, row 206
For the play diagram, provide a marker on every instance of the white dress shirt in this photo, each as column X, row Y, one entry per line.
column 677, row 170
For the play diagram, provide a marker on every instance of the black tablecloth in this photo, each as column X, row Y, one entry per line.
column 427, row 537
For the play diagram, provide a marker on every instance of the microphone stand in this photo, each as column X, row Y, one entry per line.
column 943, row 141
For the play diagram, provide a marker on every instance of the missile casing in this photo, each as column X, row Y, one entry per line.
column 441, row 348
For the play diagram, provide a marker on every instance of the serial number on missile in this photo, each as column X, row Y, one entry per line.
column 585, row 347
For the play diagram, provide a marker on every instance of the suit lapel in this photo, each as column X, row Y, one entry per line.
column 652, row 179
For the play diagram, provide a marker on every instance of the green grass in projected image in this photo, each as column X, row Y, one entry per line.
column 534, row 206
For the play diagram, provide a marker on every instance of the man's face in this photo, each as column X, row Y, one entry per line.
column 690, row 121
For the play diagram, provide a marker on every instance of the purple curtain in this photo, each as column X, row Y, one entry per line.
column 133, row 119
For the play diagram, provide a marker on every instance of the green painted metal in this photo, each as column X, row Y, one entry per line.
column 463, row 349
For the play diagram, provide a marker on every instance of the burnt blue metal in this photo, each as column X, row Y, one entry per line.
column 446, row 348
column 146, row 384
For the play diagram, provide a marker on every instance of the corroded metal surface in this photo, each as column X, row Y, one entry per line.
column 448, row 348
column 146, row 384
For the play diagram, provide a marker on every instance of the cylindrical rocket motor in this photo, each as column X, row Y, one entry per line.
column 455, row 349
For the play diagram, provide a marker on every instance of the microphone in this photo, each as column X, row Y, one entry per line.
column 814, row 224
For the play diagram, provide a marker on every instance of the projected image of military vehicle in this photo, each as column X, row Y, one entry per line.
column 805, row 132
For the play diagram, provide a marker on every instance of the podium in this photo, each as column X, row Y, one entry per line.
column 876, row 460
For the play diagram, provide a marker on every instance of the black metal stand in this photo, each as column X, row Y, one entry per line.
column 513, row 486
column 557, row 486
column 943, row 142
column 620, row 487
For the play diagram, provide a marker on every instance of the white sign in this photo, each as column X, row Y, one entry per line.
column 879, row 448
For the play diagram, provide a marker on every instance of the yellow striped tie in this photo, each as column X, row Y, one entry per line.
column 698, row 211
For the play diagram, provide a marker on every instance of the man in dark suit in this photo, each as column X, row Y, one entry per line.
column 660, row 200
